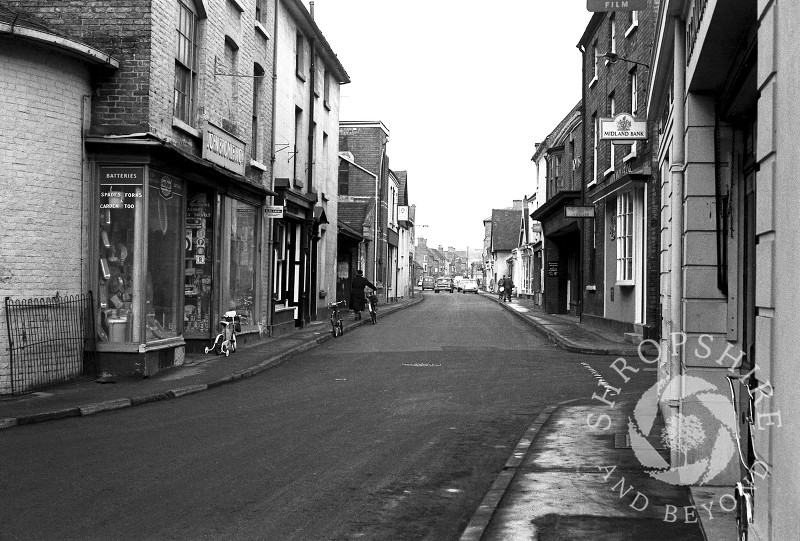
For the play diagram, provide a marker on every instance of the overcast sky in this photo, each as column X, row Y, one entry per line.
column 465, row 88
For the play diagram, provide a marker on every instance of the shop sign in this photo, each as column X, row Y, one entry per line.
column 552, row 268
column 616, row 5
column 579, row 211
column 622, row 127
column 273, row 212
column 223, row 149
column 402, row 212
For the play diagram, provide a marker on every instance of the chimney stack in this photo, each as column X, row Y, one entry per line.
column 311, row 8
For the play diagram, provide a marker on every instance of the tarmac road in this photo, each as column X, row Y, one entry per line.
column 393, row 431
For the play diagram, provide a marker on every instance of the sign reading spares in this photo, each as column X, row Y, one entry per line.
column 622, row 127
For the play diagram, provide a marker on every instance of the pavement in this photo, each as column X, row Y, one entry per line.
column 567, row 479
column 200, row 372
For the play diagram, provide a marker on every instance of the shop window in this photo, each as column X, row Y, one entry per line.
column 242, row 267
column 185, row 63
column 164, row 239
column 624, row 239
column 121, row 208
column 279, row 285
column 198, row 280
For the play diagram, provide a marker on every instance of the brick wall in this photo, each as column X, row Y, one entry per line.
column 633, row 42
column 42, row 186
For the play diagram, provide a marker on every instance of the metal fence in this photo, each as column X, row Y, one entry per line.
column 51, row 340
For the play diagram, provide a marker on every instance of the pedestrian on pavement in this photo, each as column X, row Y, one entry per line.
column 501, row 291
column 357, row 299
column 508, row 286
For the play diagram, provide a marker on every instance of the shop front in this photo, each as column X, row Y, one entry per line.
column 176, row 247
column 561, row 254
column 294, row 248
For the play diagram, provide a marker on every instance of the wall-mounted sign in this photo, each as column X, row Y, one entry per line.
column 616, row 5
column 622, row 127
column 579, row 211
column 273, row 212
column 552, row 268
column 402, row 212
column 223, row 149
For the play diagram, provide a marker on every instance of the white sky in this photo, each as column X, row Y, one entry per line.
column 466, row 89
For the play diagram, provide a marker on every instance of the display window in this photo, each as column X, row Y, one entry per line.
column 241, row 263
column 121, row 210
column 199, row 257
column 162, row 311
column 139, row 261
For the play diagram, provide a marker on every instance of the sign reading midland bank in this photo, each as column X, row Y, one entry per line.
column 622, row 127
column 223, row 149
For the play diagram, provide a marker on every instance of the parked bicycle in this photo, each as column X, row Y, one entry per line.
column 337, row 327
column 225, row 341
column 372, row 305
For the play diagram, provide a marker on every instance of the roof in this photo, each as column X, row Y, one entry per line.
column 27, row 26
column 326, row 51
column 505, row 229
column 402, row 179
column 353, row 214
column 556, row 137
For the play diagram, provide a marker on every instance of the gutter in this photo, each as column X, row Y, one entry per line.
column 68, row 46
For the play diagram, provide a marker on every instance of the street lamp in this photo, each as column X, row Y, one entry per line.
column 614, row 58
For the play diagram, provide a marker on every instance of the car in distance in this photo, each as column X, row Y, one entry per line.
column 428, row 283
column 470, row 286
column 443, row 284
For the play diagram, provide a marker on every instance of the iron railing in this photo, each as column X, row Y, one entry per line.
column 51, row 340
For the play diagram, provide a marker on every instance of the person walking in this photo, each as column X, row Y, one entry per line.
column 508, row 286
column 357, row 299
column 501, row 290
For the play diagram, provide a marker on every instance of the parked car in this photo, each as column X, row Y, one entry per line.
column 443, row 284
column 470, row 286
column 428, row 283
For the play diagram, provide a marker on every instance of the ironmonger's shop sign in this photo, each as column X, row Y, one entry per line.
column 223, row 149
column 622, row 127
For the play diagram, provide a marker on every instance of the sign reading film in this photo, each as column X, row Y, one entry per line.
column 616, row 5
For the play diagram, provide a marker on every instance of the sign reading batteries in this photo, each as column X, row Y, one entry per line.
column 623, row 128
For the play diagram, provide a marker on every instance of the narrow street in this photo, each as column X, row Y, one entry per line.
column 393, row 431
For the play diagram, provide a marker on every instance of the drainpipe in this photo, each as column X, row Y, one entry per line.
column 311, row 300
column 270, row 234
column 581, row 258
column 677, row 169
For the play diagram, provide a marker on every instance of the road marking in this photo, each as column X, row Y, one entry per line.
column 421, row 364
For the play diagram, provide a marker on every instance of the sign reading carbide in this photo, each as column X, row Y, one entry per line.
column 223, row 149
column 616, row 5
column 622, row 127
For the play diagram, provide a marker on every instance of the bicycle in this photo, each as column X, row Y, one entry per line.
column 225, row 341
column 337, row 327
column 372, row 304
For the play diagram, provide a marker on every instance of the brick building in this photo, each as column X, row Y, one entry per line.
column 45, row 187
column 367, row 183
column 620, row 245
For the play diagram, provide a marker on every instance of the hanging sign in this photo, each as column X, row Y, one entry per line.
column 616, row 5
column 622, row 127
column 273, row 212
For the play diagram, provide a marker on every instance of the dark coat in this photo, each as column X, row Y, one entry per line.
column 508, row 285
column 357, row 299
